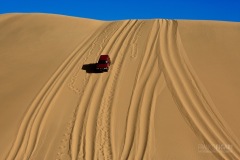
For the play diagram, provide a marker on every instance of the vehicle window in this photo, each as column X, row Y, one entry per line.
column 102, row 62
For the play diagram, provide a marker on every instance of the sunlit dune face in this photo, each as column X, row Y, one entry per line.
column 170, row 90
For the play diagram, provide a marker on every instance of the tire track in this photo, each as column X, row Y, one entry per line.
column 65, row 148
column 191, row 97
column 134, row 44
column 159, row 86
column 144, row 112
column 87, row 149
column 69, row 134
column 71, row 66
column 103, row 143
column 132, row 66
column 113, row 55
column 107, row 48
column 78, row 128
column 145, row 88
column 137, row 92
column 147, row 104
column 32, row 123
column 99, row 41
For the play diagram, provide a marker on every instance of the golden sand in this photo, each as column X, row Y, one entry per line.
column 172, row 91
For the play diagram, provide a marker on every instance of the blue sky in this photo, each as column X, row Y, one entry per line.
column 226, row 10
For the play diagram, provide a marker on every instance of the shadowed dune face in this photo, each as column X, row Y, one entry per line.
column 163, row 97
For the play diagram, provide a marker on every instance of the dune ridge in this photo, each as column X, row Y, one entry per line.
column 74, row 114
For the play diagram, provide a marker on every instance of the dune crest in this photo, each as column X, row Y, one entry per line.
column 154, row 103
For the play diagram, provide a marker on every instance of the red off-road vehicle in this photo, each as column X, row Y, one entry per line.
column 103, row 63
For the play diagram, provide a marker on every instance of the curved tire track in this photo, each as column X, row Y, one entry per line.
column 103, row 140
column 80, row 119
column 139, row 86
column 65, row 148
column 30, row 128
column 190, row 95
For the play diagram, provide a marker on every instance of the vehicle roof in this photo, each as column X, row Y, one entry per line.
column 103, row 57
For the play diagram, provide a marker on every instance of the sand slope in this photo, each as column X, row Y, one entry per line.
column 164, row 96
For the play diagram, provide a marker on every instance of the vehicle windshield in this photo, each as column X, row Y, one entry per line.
column 102, row 62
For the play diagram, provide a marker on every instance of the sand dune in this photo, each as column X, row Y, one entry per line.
column 171, row 91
